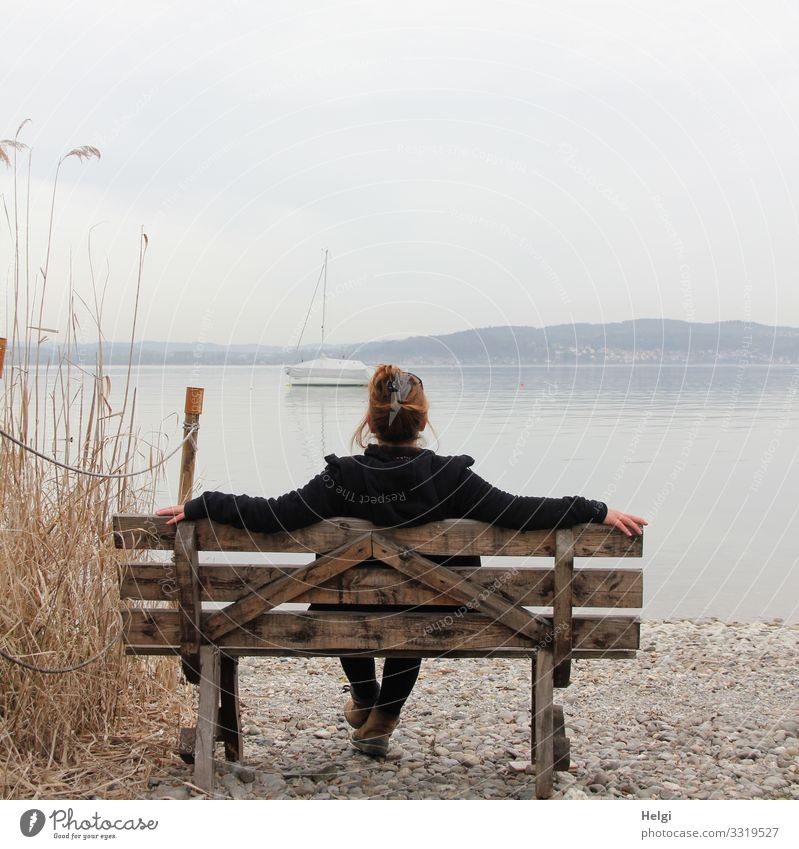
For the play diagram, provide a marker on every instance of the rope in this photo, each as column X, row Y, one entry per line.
column 66, row 669
column 108, row 476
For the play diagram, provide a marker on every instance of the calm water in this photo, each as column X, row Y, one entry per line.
column 707, row 455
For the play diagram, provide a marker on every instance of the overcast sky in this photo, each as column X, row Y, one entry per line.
column 466, row 164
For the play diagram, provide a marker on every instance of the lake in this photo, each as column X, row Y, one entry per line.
column 706, row 454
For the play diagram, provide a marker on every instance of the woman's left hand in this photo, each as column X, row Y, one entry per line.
column 176, row 512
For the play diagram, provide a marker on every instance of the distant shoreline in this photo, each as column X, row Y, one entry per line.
column 641, row 341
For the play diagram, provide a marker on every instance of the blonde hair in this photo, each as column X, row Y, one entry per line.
column 407, row 424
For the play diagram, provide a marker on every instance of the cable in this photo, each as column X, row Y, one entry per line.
column 110, row 476
column 66, row 669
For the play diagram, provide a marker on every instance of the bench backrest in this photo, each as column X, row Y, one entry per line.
column 357, row 563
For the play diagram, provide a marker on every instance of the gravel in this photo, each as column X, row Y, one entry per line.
column 708, row 710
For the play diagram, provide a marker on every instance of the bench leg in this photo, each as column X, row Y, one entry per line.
column 229, row 713
column 543, row 753
column 560, row 742
column 207, row 718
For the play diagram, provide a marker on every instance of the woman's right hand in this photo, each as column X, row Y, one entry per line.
column 625, row 522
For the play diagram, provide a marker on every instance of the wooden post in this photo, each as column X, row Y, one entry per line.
column 561, row 744
column 193, row 409
column 207, row 718
column 532, row 710
column 187, row 569
column 229, row 713
column 186, row 558
column 562, row 605
column 2, row 354
column 544, row 751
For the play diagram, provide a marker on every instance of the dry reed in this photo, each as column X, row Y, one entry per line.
column 98, row 731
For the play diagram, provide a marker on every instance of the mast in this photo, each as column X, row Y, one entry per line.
column 324, row 301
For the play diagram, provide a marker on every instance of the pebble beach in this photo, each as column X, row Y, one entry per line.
column 708, row 710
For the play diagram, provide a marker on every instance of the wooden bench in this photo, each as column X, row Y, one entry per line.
column 353, row 562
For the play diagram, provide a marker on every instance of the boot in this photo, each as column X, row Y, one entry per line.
column 372, row 737
column 356, row 712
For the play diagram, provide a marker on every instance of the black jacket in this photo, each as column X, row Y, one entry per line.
column 391, row 487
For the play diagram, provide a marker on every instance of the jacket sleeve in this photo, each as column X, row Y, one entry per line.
column 475, row 498
column 296, row 509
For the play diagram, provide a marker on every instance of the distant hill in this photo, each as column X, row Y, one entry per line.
column 645, row 340
column 641, row 340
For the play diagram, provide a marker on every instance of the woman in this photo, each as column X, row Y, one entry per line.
column 393, row 483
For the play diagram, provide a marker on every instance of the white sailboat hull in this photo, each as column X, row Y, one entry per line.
column 325, row 371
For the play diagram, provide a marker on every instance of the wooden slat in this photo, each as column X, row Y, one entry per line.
column 188, row 586
column 207, row 718
column 544, row 753
column 494, row 601
column 511, row 653
column 449, row 537
column 562, row 605
column 286, row 588
column 330, row 632
column 374, row 584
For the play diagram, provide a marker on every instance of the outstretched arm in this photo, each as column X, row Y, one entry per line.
column 475, row 498
column 296, row 509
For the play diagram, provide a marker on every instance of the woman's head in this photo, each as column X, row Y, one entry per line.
column 407, row 419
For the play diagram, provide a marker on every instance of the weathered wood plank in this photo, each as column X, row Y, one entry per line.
column 448, row 537
column 329, row 632
column 493, row 601
column 286, row 588
column 188, row 592
column 562, row 605
column 207, row 718
column 375, row 584
column 561, row 745
column 510, row 653
column 544, row 751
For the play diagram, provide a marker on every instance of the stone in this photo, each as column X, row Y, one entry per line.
column 243, row 773
column 172, row 793
column 574, row 793
column 230, row 781
column 272, row 782
column 520, row 766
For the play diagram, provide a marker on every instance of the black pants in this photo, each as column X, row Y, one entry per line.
column 399, row 673
column 399, row 676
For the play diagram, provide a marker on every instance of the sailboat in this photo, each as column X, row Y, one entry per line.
column 324, row 370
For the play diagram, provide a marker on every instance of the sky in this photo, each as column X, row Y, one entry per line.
column 465, row 164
